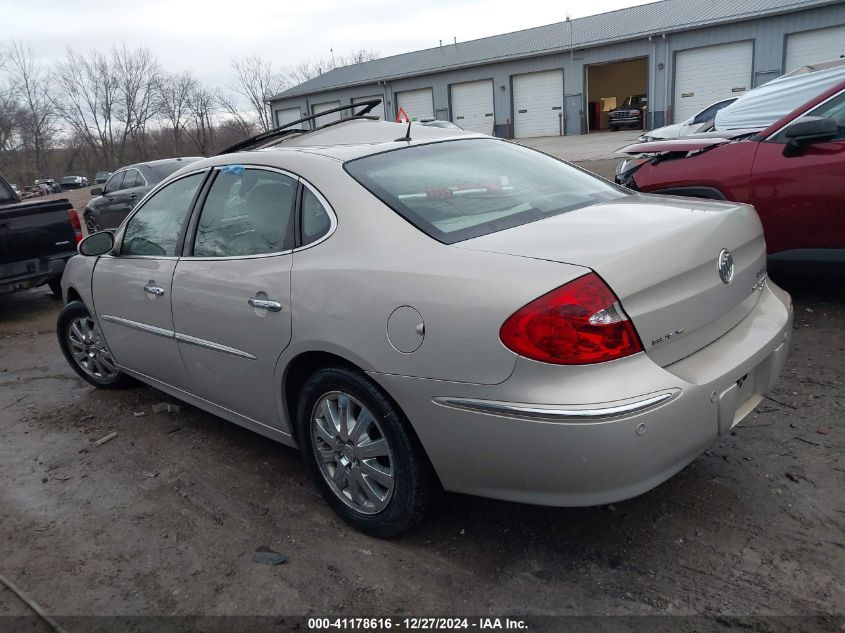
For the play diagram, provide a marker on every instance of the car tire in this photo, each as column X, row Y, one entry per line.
column 391, row 504
column 79, row 338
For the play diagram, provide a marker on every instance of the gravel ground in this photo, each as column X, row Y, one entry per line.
column 165, row 517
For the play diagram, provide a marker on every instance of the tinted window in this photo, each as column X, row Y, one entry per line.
column 154, row 229
column 457, row 190
column 315, row 219
column 246, row 213
column 834, row 109
column 113, row 183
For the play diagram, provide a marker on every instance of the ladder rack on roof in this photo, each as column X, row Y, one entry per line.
column 290, row 128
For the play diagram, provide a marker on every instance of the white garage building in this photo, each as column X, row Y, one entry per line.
column 563, row 78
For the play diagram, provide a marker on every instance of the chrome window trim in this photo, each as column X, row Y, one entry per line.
column 557, row 413
column 802, row 115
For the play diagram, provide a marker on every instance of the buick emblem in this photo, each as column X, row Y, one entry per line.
column 725, row 264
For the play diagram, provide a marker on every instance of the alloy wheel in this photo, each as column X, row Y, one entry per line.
column 352, row 452
column 89, row 350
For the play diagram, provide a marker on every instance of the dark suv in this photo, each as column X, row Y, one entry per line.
column 629, row 114
column 125, row 188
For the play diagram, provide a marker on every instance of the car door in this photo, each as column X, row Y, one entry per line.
column 231, row 290
column 132, row 289
column 106, row 205
column 126, row 197
column 799, row 197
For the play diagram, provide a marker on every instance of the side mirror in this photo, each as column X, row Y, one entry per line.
column 97, row 191
column 96, row 244
column 808, row 130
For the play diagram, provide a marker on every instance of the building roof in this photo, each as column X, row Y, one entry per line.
column 665, row 16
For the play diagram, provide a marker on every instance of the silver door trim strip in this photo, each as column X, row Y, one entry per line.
column 184, row 338
column 554, row 413
column 143, row 327
column 217, row 347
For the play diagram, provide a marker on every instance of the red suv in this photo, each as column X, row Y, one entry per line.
column 793, row 172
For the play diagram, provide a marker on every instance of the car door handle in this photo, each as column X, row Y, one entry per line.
column 265, row 304
column 152, row 289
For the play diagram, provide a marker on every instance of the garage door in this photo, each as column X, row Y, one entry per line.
column 378, row 110
column 418, row 104
column 708, row 74
column 810, row 47
column 322, row 107
column 537, row 103
column 472, row 106
column 287, row 115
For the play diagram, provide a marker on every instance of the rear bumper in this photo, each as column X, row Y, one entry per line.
column 585, row 436
column 32, row 273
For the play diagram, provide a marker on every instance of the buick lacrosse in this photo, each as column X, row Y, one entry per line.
column 419, row 308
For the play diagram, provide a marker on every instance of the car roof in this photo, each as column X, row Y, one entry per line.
column 164, row 161
column 354, row 138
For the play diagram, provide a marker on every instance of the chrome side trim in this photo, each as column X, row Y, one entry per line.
column 217, row 347
column 143, row 327
column 555, row 413
column 183, row 338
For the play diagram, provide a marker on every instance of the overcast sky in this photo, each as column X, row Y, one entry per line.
column 204, row 35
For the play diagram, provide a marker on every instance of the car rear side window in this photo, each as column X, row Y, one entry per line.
column 457, row 190
column 154, row 230
column 247, row 212
column 315, row 219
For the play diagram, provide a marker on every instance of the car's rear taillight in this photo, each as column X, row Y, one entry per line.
column 77, row 226
column 579, row 323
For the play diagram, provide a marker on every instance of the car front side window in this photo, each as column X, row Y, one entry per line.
column 247, row 212
column 113, row 183
column 154, row 230
column 834, row 109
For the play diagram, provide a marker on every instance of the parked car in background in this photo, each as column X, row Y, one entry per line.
column 73, row 182
column 101, row 176
column 452, row 310
column 51, row 186
column 16, row 189
column 36, row 240
column 34, row 191
column 690, row 126
column 629, row 114
column 793, row 172
column 125, row 188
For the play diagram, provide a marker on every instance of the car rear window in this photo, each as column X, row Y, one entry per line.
column 457, row 190
column 160, row 172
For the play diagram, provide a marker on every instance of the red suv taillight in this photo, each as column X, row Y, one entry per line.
column 77, row 226
column 579, row 323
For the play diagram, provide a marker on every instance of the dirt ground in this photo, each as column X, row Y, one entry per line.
column 164, row 518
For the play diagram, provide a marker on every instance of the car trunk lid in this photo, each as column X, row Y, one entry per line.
column 659, row 255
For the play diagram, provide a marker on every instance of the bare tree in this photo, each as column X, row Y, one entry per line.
column 108, row 100
column 174, row 95
column 255, row 82
column 37, row 105
column 302, row 72
column 202, row 106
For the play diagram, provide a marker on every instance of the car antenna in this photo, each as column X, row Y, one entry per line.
column 407, row 136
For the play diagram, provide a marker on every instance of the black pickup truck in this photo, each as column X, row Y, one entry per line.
column 36, row 239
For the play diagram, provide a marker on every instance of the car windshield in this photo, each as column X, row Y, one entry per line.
column 457, row 190
column 633, row 102
column 68, row 179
